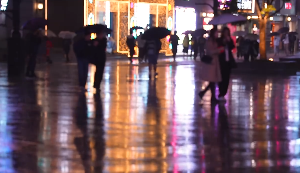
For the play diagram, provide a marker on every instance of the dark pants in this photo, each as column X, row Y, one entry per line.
column 99, row 74
column 67, row 54
column 212, row 87
column 174, row 51
column 195, row 53
column 141, row 53
column 225, row 72
column 131, row 53
column 291, row 47
column 31, row 64
column 83, row 68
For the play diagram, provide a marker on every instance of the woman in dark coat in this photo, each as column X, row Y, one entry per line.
column 227, row 62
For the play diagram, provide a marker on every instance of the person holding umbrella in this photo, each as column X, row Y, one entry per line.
column 131, row 44
column 174, row 41
column 141, row 45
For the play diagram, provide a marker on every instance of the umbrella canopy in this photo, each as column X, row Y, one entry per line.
column 67, row 34
column 188, row 32
column 293, row 33
column 95, row 28
column 274, row 34
column 136, row 27
column 47, row 33
column 252, row 37
column 156, row 33
column 35, row 24
column 200, row 32
column 283, row 30
column 226, row 18
column 239, row 33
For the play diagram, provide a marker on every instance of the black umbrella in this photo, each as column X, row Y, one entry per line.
column 293, row 33
column 200, row 32
column 283, row 30
column 136, row 27
column 95, row 29
column 156, row 33
column 188, row 32
column 274, row 34
column 35, row 24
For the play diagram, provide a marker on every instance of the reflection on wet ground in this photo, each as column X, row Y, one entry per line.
column 137, row 125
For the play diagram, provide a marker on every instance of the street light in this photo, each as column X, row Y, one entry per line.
column 289, row 19
column 40, row 6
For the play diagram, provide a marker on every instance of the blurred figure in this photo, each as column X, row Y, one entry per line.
column 131, row 44
column 201, row 43
column 83, row 50
column 174, row 41
column 99, row 46
column 227, row 62
column 152, row 51
column 238, row 45
column 276, row 45
column 211, row 72
column 34, row 41
column 141, row 45
column 186, row 44
column 49, row 45
column 195, row 46
column 286, row 42
column 292, row 39
column 66, row 47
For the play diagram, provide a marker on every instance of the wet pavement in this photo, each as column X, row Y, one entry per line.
column 142, row 125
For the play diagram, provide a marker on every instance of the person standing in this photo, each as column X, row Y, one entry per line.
column 141, row 45
column 66, row 48
column 227, row 62
column 195, row 46
column 201, row 43
column 286, row 43
column 174, row 41
column 211, row 72
column 276, row 45
column 239, row 46
column 292, row 39
column 186, row 44
column 34, row 41
column 99, row 49
column 152, row 51
column 131, row 44
column 83, row 50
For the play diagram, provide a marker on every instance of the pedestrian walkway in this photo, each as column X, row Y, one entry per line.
column 142, row 125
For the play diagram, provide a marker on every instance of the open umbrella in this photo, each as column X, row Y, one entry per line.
column 188, row 32
column 156, row 33
column 35, row 24
column 95, row 28
column 274, row 34
column 136, row 27
column 283, row 30
column 47, row 33
column 239, row 33
column 67, row 34
column 226, row 18
column 293, row 33
column 200, row 32
column 252, row 37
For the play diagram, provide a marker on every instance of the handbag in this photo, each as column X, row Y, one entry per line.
column 206, row 59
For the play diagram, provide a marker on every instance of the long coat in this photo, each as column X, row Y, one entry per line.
column 211, row 72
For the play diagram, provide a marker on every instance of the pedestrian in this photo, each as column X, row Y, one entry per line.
column 34, row 41
column 49, row 46
column 227, row 62
column 195, row 46
column 201, row 43
column 186, row 44
column 152, row 51
column 131, row 44
column 276, row 45
column 174, row 41
column 292, row 39
column 286, row 42
column 238, row 46
column 66, row 47
column 83, row 50
column 99, row 58
column 211, row 72
column 141, row 45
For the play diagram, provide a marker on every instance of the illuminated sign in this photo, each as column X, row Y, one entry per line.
column 288, row 6
column 170, row 23
column 246, row 5
column 91, row 19
column 91, row 1
column 4, row 5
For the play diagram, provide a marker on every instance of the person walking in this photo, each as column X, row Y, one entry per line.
column 239, row 46
column 195, row 46
column 66, row 48
column 49, row 46
column 186, row 44
column 276, row 45
column 174, row 41
column 83, row 50
column 211, row 72
column 201, row 43
column 292, row 39
column 131, row 44
column 99, row 58
column 141, row 45
column 286, row 42
column 227, row 62
column 152, row 51
column 34, row 41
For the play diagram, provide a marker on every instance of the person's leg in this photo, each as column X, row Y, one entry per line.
column 212, row 87
column 131, row 54
column 223, row 85
column 195, row 54
column 85, row 71
column 99, row 75
column 150, row 68
column 33, row 65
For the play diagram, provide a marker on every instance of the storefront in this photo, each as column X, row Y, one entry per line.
column 120, row 16
column 185, row 20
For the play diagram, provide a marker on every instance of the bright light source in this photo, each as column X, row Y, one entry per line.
column 40, row 6
column 266, row 5
column 289, row 19
column 254, row 17
column 271, row 18
column 204, row 14
column 249, row 17
column 271, row 59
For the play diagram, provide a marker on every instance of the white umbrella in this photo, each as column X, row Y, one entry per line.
column 239, row 33
column 66, row 34
column 226, row 18
column 47, row 33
